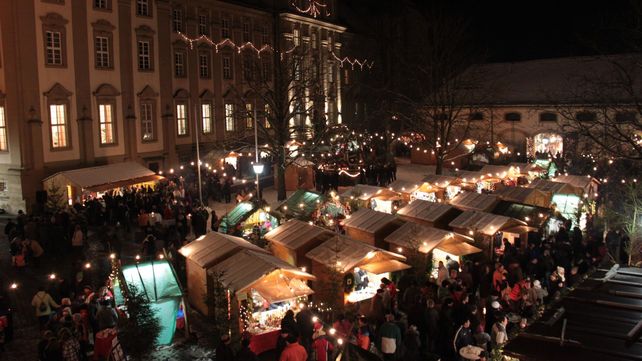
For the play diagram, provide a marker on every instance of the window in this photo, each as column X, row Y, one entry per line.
column 266, row 110
column 264, row 35
column 143, row 8
column 265, row 70
column 547, row 117
column 147, row 121
column 102, row 4
column 59, row 129
column 225, row 28
column 477, row 116
column 247, row 68
column 625, row 117
column 54, row 47
column 512, row 117
column 179, row 64
column 203, row 25
column 586, row 116
column 246, row 31
column 229, row 117
column 102, row 52
column 296, row 37
column 144, row 55
column 106, row 117
column 346, row 77
column 181, row 119
column 314, row 40
column 206, row 118
column 177, row 20
column 249, row 116
column 204, row 65
column 4, row 145
column 227, row 67
column 331, row 73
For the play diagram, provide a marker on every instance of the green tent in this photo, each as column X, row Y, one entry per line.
column 237, row 215
column 157, row 280
column 301, row 204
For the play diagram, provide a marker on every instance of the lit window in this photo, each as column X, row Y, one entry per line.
column 177, row 20
column 179, row 64
column 204, row 65
column 229, row 117
column 206, row 117
column 225, row 28
column 58, row 115
column 266, row 109
column 203, row 25
column 106, row 115
column 142, row 7
column 4, row 146
column 181, row 119
column 295, row 37
column 227, row 67
column 249, row 117
column 147, row 121
column 144, row 55
column 54, row 47
column 102, row 52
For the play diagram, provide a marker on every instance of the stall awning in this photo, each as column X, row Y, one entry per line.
column 102, row 178
column 520, row 229
column 458, row 248
column 214, row 247
column 402, row 186
column 385, row 266
column 484, row 223
column 472, row 201
column 530, row 196
column 301, row 203
column 344, row 253
column 237, row 214
column 427, row 211
column 295, row 234
column 421, row 237
column 369, row 221
column 274, row 279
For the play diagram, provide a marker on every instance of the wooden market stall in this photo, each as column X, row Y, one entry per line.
column 503, row 172
column 530, row 171
column 530, row 196
column 299, row 174
column 429, row 213
column 404, row 188
column 446, row 187
column 361, row 265
column 566, row 199
column 539, row 218
column 242, row 219
column 301, row 204
column 371, row 226
column 471, row 201
column 587, row 186
column 293, row 239
column 263, row 288
column 202, row 254
column 84, row 183
column 471, row 180
column 373, row 197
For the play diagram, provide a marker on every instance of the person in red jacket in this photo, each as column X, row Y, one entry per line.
column 321, row 347
column 293, row 351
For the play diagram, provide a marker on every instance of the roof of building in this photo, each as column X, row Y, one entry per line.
column 498, row 171
column 523, row 195
column 468, row 176
column 600, row 319
column 426, row 211
column 577, row 181
column 441, row 181
column 214, row 247
column 301, row 203
column 295, row 234
column 540, row 81
column 485, row 223
column 403, row 186
column 364, row 191
column 108, row 176
column 534, row 216
column 422, row 238
column 525, row 168
column 237, row 214
column 553, row 187
column 473, row 201
column 370, row 221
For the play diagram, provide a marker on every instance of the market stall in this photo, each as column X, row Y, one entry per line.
column 300, row 205
column 539, row 218
column 404, row 188
column 586, row 185
column 446, row 187
column 299, row 174
column 530, row 171
column 429, row 213
column 566, row 199
column 202, row 254
column 490, row 229
column 473, row 181
column 158, row 282
column 530, row 196
column 85, row 183
column 263, row 288
column 377, row 198
column 371, row 226
column 293, row 239
column 242, row 220
column 471, row 201
column 361, row 265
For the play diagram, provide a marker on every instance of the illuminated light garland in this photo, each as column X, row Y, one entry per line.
column 231, row 44
column 352, row 62
column 314, row 9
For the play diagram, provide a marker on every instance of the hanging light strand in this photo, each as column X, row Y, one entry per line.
column 315, row 8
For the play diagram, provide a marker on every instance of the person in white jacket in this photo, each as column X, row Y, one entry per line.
column 43, row 303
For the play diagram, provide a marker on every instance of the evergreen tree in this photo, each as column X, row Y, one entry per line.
column 55, row 198
column 139, row 333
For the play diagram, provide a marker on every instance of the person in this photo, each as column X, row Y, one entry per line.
column 321, row 347
column 377, row 308
column 389, row 338
column 363, row 333
column 223, row 350
column 293, row 351
column 106, row 316
column 49, row 347
column 288, row 323
column 77, row 242
column 245, row 353
column 342, row 326
column 43, row 304
column 463, row 336
column 69, row 344
column 499, row 336
column 431, row 326
column 412, row 344
column 214, row 221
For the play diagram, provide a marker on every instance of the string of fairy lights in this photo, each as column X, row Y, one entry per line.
column 315, row 8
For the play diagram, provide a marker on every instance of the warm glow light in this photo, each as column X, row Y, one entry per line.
column 87, row 265
column 14, row 286
column 52, row 276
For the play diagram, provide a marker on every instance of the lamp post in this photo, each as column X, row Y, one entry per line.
column 198, row 156
column 258, row 167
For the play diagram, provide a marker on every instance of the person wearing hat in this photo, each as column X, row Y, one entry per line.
column 492, row 308
column 223, row 350
column 322, row 348
column 389, row 338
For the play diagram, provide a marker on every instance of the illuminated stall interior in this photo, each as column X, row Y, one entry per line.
column 244, row 217
column 566, row 199
column 447, row 186
column 429, row 213
column 361, row 264
column 472, row 181
column 549, row 144
column 489, row 227
column 404, row 188
column 376, row 198
column 530, row 171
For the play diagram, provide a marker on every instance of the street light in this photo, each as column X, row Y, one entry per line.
column 258, row 167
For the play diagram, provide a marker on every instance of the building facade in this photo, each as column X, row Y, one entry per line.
column 90, row 82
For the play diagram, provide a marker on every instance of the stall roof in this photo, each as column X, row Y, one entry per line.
column 535, row 216
column 402, row 186
column 238, row 214
column 525, row 168
column 301, row 203
column 603, row 317
column 365, row 192
column 498, row 171
column 472, row 201
column 457, row 247
column 108, row 176
column 345, row 254
column 485, row 223
column 421, row 237
column 426, row 211
column 155, row 279
column 370, row 221
column 529, row 196
column 441, row 181
column 553, row 187
column 274, row 279
column 577, row 181
column 295, row 234
column 468, row 176
column 214, row 247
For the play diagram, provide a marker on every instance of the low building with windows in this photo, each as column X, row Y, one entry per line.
column 92, row 82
